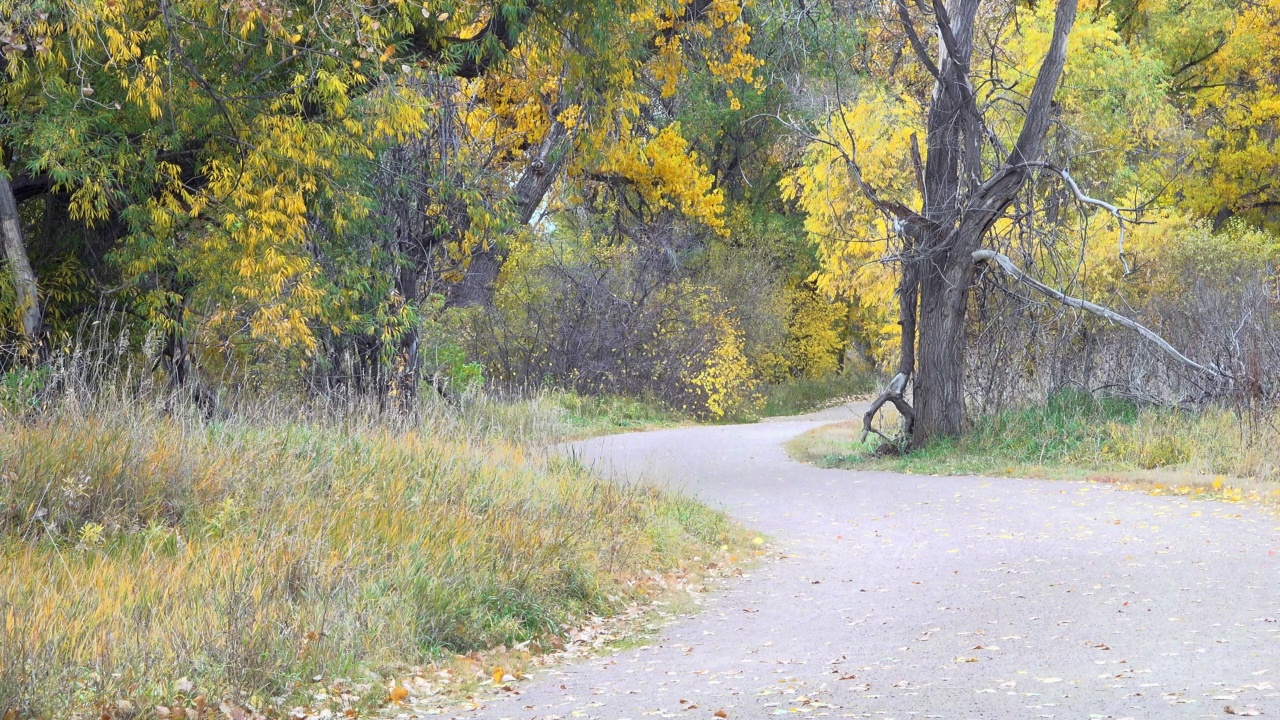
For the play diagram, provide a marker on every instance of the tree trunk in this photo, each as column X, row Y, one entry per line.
column 959, row 206
column 908, row 300
column 23, row 277
column 939, row 386
column 407, row 286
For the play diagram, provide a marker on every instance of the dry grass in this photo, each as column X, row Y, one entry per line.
column 138, row 548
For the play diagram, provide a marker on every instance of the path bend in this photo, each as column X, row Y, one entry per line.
column 939, row 597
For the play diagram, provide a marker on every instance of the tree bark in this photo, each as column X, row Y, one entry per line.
column 939, row 386
column 22, row 276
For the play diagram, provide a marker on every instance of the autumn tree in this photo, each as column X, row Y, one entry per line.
column 945, row 149
column 230, row 166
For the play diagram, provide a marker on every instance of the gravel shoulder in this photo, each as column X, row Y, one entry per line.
column 901, row 596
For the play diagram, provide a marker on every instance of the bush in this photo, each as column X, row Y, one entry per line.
column 793, row 397
column 597, row 317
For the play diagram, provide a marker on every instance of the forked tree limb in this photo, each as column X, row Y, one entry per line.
column 1013, row 271
column 1083, row 199
column 894, row 395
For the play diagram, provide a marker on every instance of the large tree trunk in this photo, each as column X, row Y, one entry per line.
column 959, row 205
column 23, row 277
column 939, row 386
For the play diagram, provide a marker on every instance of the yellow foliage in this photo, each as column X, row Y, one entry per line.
column 668, row 174
column 723, row 377
column 1238, row 110
column 851, row 236
column 814, row 333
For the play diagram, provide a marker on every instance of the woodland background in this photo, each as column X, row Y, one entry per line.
column 648, row 198
column 268, row 258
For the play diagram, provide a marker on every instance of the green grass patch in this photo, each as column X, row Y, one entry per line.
column 588, row 415
column 1072, row 435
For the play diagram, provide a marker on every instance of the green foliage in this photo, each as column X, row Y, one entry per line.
column 445, row 365
column 21, row 389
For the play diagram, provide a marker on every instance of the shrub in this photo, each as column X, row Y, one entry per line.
column 597, row 317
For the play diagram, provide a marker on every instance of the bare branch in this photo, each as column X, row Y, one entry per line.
column 1013, row 271
column 1111, row 209
column 906, row 216
column 894, row 395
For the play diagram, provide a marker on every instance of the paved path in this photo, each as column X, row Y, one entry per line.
column 940, row 597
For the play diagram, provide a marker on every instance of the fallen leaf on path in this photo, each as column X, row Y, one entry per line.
column 1245, row 711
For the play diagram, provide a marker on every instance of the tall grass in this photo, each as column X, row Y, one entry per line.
column 140, row 546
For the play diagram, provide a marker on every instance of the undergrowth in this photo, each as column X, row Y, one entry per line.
column 600, row 414
column 801, row 395
column 144, row 552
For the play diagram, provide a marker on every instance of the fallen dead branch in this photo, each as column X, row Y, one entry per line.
column 894, row 395
column 1016, row 273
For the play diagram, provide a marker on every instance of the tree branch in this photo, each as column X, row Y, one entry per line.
column 922, row 54
column 1017, row 274
column 1036, row 125
column 894, row 395
column 1111, row 209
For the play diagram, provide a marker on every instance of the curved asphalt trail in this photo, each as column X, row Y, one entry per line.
column 1074, row 600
